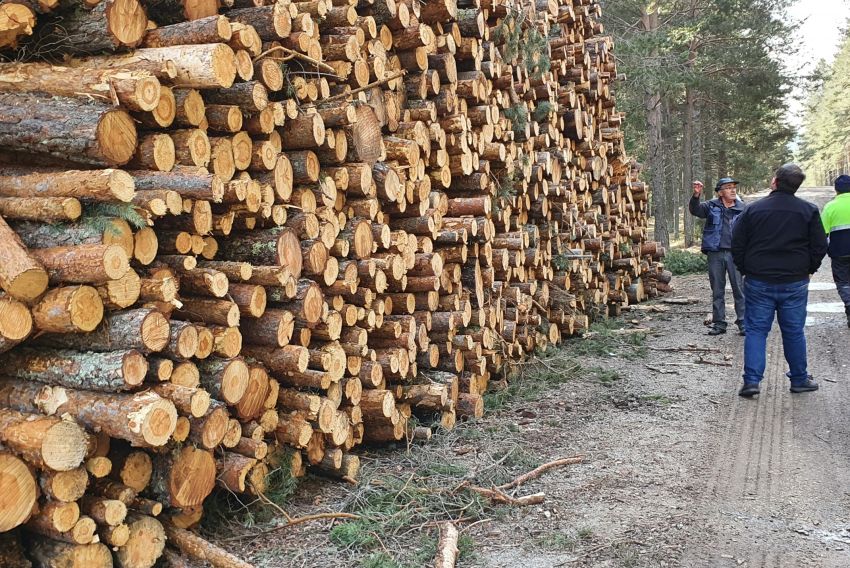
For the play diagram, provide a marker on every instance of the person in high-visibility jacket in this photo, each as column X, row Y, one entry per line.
column 836, row 223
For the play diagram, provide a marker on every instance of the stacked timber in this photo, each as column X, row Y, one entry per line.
column 254, row 237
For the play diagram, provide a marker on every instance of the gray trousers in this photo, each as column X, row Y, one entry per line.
column 841, row 275
column 720, row 265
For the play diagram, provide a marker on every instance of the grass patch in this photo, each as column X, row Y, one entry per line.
column 681, row 262
column 557, row 542
column 606, row 376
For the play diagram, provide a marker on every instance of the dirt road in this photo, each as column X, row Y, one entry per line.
column 775, row 489
column 679, row 470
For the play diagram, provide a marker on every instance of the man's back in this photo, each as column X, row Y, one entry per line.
column 779, row 239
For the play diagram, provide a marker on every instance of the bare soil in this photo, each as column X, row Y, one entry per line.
column 678, row 470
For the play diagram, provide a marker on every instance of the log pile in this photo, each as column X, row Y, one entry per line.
column 254, row 237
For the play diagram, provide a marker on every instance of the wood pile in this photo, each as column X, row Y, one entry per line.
column 253, row 235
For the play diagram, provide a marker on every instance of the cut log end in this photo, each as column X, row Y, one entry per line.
column 64, row 446
column 116, row 135
column 18, row 492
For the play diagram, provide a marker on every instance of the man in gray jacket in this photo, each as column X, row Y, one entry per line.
column 719, row 215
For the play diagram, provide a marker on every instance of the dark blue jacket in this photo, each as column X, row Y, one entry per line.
column 779, row 239
column 712, row 212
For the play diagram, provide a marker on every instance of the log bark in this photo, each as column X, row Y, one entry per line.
column 199, row 549
column 83, row 264
column 85, row 185
column 183, row 477
column 134, row 90
column 50, row 553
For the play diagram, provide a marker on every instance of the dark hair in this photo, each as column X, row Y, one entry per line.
column 789, row 178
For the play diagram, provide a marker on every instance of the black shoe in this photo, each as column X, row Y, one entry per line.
column 742, row 332
column 749, row 390
column 847, row 311
column 717, row 331
column 808, row 386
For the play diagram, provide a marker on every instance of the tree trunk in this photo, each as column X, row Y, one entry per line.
column 195, row 547
column 85, row 185
column 135, row 90
column 49, row 553
column 145, row 545
column 143, row 329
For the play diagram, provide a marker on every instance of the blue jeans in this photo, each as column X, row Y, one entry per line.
column 788, row 303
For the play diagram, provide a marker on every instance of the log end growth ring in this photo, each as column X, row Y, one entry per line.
column 86, row 308
column 117, row 138
column 17, row 492
column 64, row 446
column 127, row 21
column 15, row 320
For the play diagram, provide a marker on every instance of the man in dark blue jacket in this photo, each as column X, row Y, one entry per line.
column 778, row 243
column 719, row 215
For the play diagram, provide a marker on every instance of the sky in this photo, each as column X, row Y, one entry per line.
column 819, row 36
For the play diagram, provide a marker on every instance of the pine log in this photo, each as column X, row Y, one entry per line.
column 85, row 185
column 83, row 264
column 211, row 29
column 16, row 322
column 183, row 477
column 90, row 133
column 143, row 419
column 49, row 553
column 224, row 379
column 109, row 26
column 21, row 275
column 145, row 545
column 102, row 372
column 134, row 90
column 190, row 401
column 16, row 20
column 195, row 547
column 43, row 441
column 210, row 429
column 19, row 491
column 45, row 209
column 189, row 66
column 143, row 329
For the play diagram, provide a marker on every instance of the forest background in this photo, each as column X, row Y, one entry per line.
column 707, row 90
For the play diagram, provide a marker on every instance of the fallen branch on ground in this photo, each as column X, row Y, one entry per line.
column 497, row 496
column 537, row 472
column 686, row 349
column 662, row 371
column 447, row 550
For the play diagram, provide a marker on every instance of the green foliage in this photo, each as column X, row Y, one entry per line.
column 681, row 262
column 535, row 56
column 99, row 216
column 826, row 139
column 518, row 115
column 542, row 111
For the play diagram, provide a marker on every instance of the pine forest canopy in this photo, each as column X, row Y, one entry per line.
column 704, row 95
column 825, row 148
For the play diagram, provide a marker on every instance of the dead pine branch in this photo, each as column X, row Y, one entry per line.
column 537, row 472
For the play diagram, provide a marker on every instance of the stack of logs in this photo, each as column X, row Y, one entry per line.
column 248, row 238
